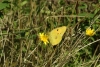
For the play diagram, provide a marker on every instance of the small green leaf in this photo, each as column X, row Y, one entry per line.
column 23, row 3
column 27, row 33
column 86, row 15
column 3, row 5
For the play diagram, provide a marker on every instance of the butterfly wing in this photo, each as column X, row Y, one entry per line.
column 55, row 36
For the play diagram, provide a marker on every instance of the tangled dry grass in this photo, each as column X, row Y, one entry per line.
column 23, row 20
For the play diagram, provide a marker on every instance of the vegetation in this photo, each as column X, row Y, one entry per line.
column 21, row 21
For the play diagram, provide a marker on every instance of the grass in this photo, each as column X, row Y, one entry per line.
column 22, row 21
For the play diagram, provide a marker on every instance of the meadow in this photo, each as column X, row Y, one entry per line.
column 21, row 22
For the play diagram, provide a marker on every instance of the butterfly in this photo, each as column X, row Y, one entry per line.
column 55, row 36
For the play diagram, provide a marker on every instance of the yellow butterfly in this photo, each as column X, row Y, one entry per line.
column 55, row 36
